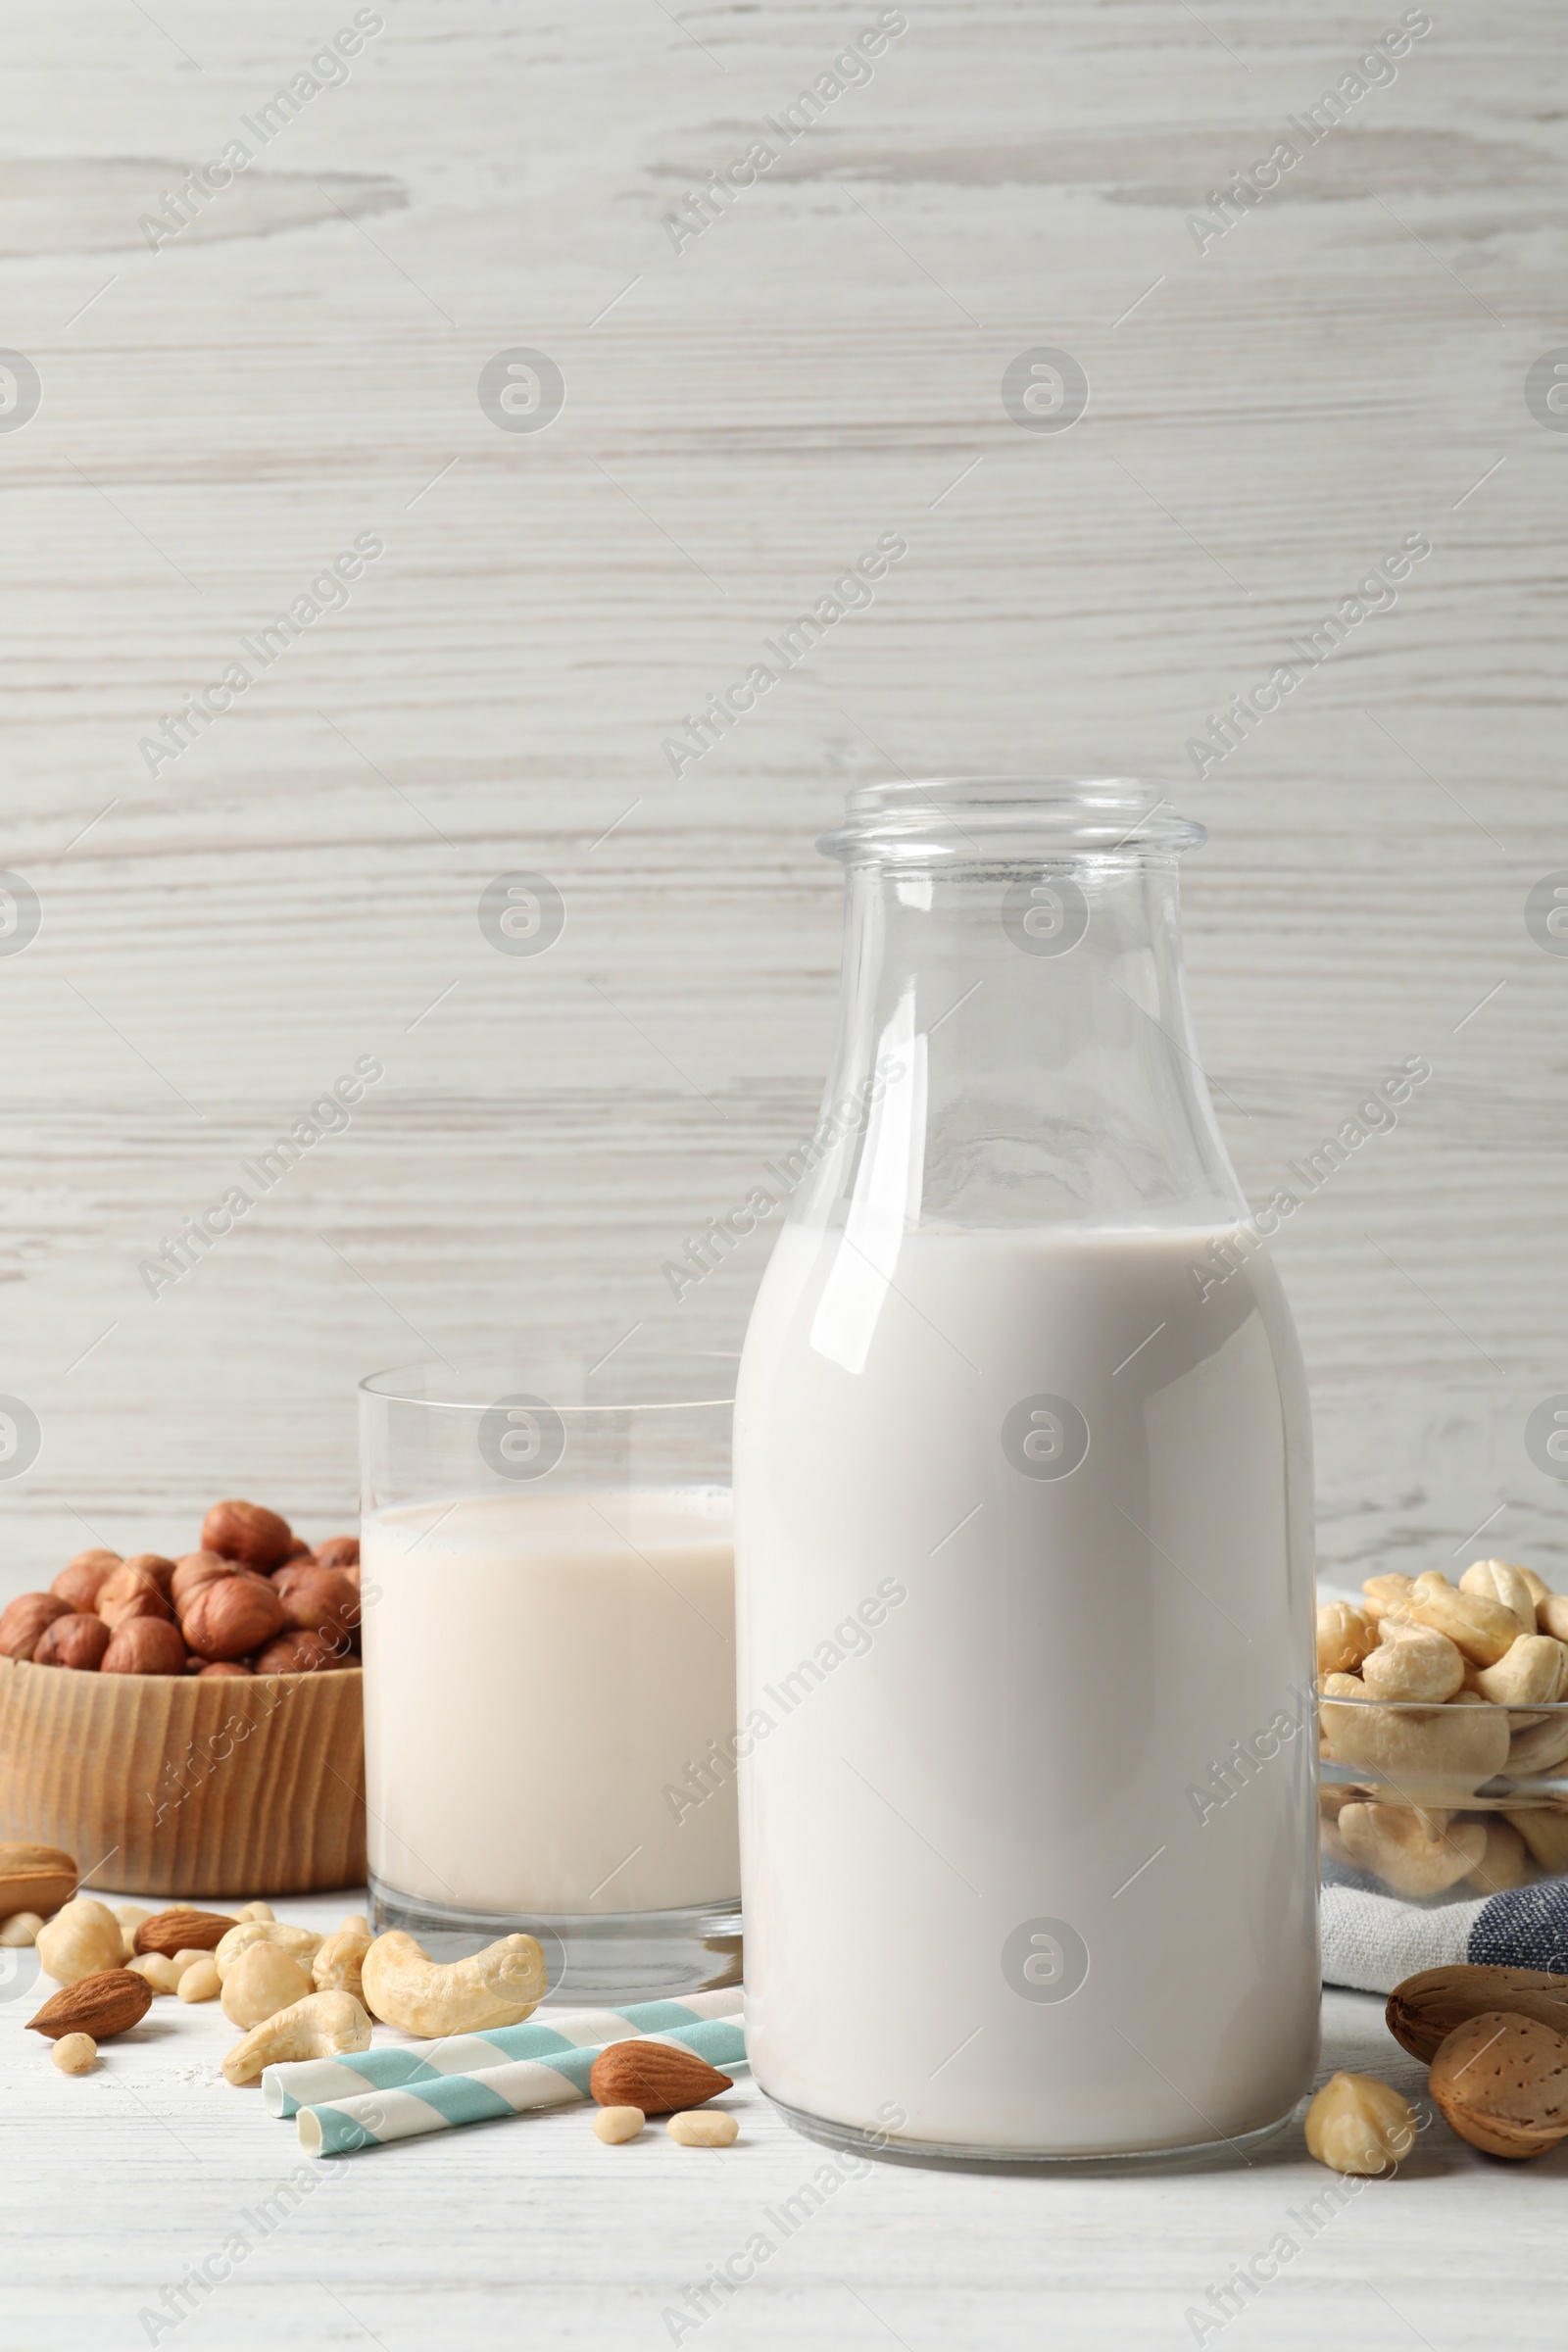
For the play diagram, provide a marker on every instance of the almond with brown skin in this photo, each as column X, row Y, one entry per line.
column 659, row 2077
column 77, row 1640
column 1501, row 2082
column 233, row 1615
column 244, row 1531
column 303, row 1653
column 80, row 1578
column 1425, row 2009
column 145, row 1646
column 22, row 1622
column 36, row 1878
column 108, row 2002
column 179, row 1929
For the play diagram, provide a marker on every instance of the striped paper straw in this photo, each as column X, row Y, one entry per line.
column 372, row 2119
column 309, row 2081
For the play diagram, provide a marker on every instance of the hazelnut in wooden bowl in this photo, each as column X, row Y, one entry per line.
column 194, row 1717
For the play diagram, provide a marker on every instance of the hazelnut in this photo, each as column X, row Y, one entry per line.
column 244, row 1531
column 233, row 1615
column 299, row 1549
column 195, row 1569
column 338, row 1552
column 79, row 1580
column 133, row 1589
column 23, row 1623
column 1356, row 2124
column 153, row 1564
column 319, row 1601
column 79, row 1640
column 145, row 1646
column 219, row 1666
column 301, row 1653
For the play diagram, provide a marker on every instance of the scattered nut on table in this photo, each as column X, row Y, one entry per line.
column 199, row 1981
column 259, row 1981
column 20, row 1930
column 323, row 2026
column 76, row 2053
column 81, row 1939
column 157, row 1969
column 614, row 2126
column 1356, row 2124
column 712, row 2128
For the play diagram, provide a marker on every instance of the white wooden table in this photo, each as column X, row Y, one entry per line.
column 124, row 2182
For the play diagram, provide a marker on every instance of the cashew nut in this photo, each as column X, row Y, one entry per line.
column 1482, row 1626
column 1412, row 1662
column 1538, row 1749
column 1505, row 1861
column 1551, row 1615
column 1344, row 1634
column 1546, row 1833
column 261, row 1981
column 498, row 1986
column 80, row 1940
column 338, row 1966
column 323, row 2026
column 1386, row 1592
column 1437, row 1755
column 301, row 1943
column 1413, row 1851
column 1499, row 1581
column 1529, row 1675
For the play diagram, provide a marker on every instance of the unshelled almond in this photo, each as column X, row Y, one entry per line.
column 657, row 2077
column 36, row 1878
column 1426, row 2008
column 108, row 2002
column 1501, row 2082
column 179, row 1929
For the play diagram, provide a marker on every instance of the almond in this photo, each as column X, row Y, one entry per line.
column 78, row 1640
column 180, row 1930
column 36, row 1878
column 1501, row 2082
column 233, row 1615
column 24, row 1620
column 80, row 1578
column 1425, row 2009
column 108, row 2002
column 659, row 2077
column 244, row 1531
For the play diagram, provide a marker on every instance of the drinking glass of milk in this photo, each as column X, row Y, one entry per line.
column 550, row 1665
column 1024, row 1527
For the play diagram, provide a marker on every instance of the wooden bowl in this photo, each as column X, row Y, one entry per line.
column 171, row 1783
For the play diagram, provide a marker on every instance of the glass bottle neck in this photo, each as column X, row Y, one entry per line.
column 1014, row 1050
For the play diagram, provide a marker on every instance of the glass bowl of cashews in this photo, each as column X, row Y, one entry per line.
column 1443, row 1734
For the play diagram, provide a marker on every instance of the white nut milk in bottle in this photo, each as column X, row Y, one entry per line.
column 1024, row 1527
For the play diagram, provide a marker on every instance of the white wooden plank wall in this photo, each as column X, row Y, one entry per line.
column 221, row 416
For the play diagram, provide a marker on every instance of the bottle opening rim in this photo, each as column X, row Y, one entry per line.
column 965, row 819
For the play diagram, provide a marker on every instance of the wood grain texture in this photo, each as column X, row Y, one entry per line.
column 172, row 1784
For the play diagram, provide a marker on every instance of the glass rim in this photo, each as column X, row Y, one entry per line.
column 984, row 818
column 514, row 1376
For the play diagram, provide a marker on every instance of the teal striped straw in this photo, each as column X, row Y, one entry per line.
column 309, row 2081
column 446, row 2102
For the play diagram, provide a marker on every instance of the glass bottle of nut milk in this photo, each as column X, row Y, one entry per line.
column 1023, row 1527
